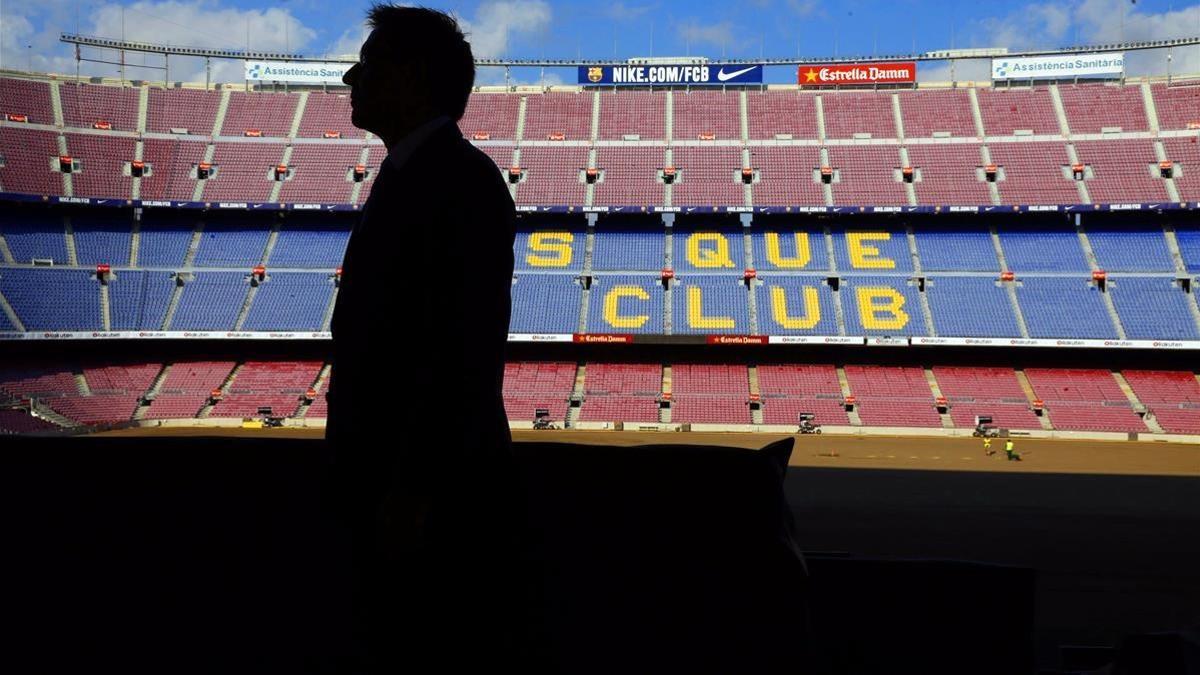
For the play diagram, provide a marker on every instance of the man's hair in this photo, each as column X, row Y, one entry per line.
column 433, row 37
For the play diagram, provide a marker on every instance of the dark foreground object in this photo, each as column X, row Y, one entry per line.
column 214, row 555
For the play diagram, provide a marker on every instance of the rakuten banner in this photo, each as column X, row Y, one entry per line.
column 1059, row 67
column 829, row 75
column 299, row 73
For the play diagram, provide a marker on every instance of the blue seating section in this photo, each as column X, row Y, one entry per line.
column 964, row 249
column 211, row 301
column 1152, row 308
column 881, row 306
column 34, row 235
column 1189, row 247
column 545, row 303
column 786, row 306
column 970, row 307
column 311, row 247
column 232, row 244
column 789, row 250
column 550, row 250
column 5, row 323
column 626, row 303
column 871, row 251
column 1041, row 249
column 1130, row 250
column 708, row 251
column 50, row 299
column 619, row 250
column 139, row 300
column 105, row 239
column 710, row 303
column 164, row 242
column 1063, row 307
column 290, row 301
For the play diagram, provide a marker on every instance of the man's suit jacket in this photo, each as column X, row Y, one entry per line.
column 421, row 321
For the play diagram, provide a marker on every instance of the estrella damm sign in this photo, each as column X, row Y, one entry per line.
column 707, row 74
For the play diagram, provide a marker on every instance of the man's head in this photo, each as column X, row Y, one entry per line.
column 415, row 65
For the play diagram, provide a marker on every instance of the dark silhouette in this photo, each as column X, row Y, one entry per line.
column 433, row 524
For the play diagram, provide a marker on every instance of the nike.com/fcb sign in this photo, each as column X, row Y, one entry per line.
column 708, row 74
column 829, row 75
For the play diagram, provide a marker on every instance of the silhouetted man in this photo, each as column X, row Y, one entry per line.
column 421, row 322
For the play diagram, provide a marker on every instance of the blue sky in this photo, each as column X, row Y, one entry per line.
column 534, row 28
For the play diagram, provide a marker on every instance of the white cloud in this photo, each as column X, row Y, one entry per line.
column 495, row 23
column 717, row 34
column 805, row 7
column 620, row 11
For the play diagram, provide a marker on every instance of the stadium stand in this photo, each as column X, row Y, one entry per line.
column 26, row 97
column 34, row 234
column 851, row 115
column 892, row 396
column 52, row 299
column 788, row 247
column 626, row 303
column 267, row 113
column 139, row 300
column 710, row 394
column 186, row 388
column 1082, row 399
column 320, row 173
column 1045, row 248
column 102, row 236
column 1129, row 248
column 232, row 240
column 1152, row 308
column 1092, row 108
column 1032, row 173
column 101, row 165
column 772, row 113
column 710, row 303
column 30, row 161
column 244, row 172
column 1178, row 105
column 14, row 421
column 867, row 175
column 882, row 306
column 1172, row 396
column 1063, row 307
column 1123, row 171
column 929, row 112
column 790, row 389
column 211, row 301
column 708, row 176
column 552, row 114
column 863, row 249
column 326, row 112
column 1189, row 247
column 1186, row 153
column 554, row 248
column 1011, row 109
column 306, row 243
column 545, row 303
column 114, row 392
column 956, row 248
column 83, row 105
column 553, row 175
column 795, row 305
column 172, row 173
column 492, row 114
column 290, row 301
column 629, row 176
column 621, row 392
column 706, row 249
column 633, row 113
column 949, row 174
column 970, row 307
column 703, row 113
column 786, row 176
column 994, row 392
column 620, row 248
column 267, row 384
column 540, row 384
column 193, row 110
column 165, row 237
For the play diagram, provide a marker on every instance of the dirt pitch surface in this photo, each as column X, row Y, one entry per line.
column 849, row 452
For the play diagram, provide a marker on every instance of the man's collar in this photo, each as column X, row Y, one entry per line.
column 402, row 150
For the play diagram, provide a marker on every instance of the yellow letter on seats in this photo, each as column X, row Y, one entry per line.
column 708, row 257
column 799, row 261
column 812, row 309
column 558, row 243
column 864, row 256
column 695, row 312
column 879, row 308
column 612, row 301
